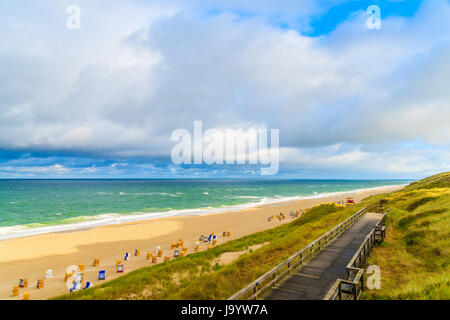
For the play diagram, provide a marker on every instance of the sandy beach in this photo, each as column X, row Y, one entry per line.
column 30, row 257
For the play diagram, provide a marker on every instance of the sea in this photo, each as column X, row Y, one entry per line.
column 31, row 207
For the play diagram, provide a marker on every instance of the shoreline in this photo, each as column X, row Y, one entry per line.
column 30, row 257
column 110, row 219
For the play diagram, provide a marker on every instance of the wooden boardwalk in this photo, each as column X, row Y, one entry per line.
column 314, row 279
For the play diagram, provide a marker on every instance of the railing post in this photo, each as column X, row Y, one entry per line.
column 362, row 281
column 339, row 291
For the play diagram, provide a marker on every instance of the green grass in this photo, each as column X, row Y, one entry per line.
column 197, row 276
column 415, row 258
column 437, row 181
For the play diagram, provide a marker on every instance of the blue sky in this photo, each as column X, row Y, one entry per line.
column 102, row 101
column 326, row 22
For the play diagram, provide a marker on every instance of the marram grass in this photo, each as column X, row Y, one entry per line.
column 415, row 258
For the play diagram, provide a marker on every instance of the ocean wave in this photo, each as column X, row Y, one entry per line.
column 156, row 193
column 142, row 193
column 86, row 222
column 247, row 197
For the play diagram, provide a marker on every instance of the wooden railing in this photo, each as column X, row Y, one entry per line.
column 352, row 287
column 272, row 277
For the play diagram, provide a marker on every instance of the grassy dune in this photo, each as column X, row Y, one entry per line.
column 198, row 276
column 415, row 258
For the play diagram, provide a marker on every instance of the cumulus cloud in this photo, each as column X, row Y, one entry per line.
column 403, row 161
column 138, row 70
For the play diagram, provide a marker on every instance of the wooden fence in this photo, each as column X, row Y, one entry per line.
column 352, row 287
column 272, row 277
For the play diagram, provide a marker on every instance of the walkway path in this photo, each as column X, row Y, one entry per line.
column 314, row 279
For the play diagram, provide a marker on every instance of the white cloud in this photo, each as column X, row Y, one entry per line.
column 416, row 161
column 55, row 169
column 136, row 71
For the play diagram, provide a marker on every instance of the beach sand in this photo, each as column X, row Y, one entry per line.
column 30, row 257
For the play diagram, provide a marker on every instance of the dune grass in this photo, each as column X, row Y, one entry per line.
column 415, row 258
column 197, row 276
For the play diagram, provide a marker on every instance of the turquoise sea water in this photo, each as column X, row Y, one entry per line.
column 38, row 206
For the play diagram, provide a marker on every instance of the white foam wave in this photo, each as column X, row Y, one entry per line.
column 84, row 222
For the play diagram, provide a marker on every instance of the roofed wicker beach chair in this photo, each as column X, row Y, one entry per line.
column 40, row 283
column 15, row 292
column 102, row 275
column 23, row 283
column 67, row 276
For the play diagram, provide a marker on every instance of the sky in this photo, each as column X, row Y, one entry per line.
column 102, row 101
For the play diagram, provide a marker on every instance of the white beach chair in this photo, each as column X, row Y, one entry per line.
column 77, row 282
column 49, row 274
